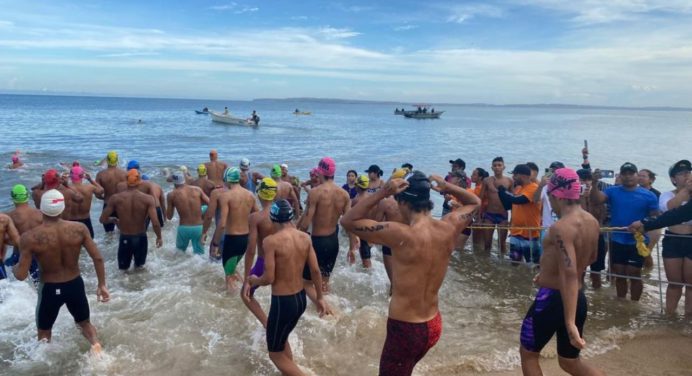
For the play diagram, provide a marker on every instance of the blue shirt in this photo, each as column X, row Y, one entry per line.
column 627, row 206
column 352, row 193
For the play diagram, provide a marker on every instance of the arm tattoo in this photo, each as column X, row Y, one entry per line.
column 375, row 228
column 465, row 217
column 561, row 244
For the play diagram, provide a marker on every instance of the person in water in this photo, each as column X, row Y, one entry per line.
column 25, row 218
column 287, row 252
column 215, row 168
column 421, row 248
column 109, row 179
column 56, row 244
column 560, row 307
column 16, row 162
column 187, row 200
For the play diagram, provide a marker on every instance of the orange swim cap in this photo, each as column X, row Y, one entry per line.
column 133, row 178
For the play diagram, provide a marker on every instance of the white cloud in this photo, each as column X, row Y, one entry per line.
column 222, row 7
column 335, row 33
column 246, row 10
column 606, row 11
column 463, row 13
column 405, row 27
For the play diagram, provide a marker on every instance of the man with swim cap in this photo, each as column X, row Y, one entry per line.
column 495, row 214
column 362, row 184
column 326, row 204
column 421, row 249
column 81, row 212
column 314, row 181
column 286, row 253
column 284, row 190
column 215, row 168
column 570, row 245
column 16, row 163
column 25, row 218
column 188, row 201
column 203, row 181
column 51, row 180
column 149, row 187
column 248, row 179
column 293, row 180
column 236, row 204
column 56, row 244
column 628, row 203
column 8, row 231
column 524, row 243
column 133, row 208
column 109, row 179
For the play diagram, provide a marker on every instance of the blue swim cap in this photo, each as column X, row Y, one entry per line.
column 133, row 164
column 232, row 175
column 281, row 211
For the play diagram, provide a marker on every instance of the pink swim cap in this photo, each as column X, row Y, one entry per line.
column 314, row 172
column 565, row 184
column 327, row 167
column 76, row 173
column 15, row 159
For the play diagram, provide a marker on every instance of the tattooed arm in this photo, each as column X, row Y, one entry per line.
column 569, row 281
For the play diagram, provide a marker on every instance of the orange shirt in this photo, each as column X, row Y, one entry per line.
column 527, row 214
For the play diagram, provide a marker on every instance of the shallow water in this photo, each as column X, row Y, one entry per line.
column 175, row 319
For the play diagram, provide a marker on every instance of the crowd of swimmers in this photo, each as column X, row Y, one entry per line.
column 293, row 246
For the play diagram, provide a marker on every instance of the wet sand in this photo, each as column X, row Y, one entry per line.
column 663, row 352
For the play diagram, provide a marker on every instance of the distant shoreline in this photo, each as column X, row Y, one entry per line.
column 359, row 101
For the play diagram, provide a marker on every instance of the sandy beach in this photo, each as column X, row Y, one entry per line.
column 663, row 352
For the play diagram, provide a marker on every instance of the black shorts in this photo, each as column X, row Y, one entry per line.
column 51, row 296
column 159, row 215
column 284, row 313
column 87, row 222
column 677, row 246
column 234, row 247
column 386, row 251
column 326, row 249
column 625, row 254
column 599, row 264
column 364, row 250
column 132, row 246
column 546, row 317
column 109, row 227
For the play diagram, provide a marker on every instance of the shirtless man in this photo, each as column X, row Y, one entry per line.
column 133, row 208
column 294, row 181
column 284, row 190
column 326, row 204
column 260, row 227
column 215, row 168
column 213, row 211
column 203, row 181
column 570, row 245
column 82, row 212
column 25, row 218
column 248, row 179
column 109, row 179
column 421, row 249
column 287, row 252
column 188, row 201
column 16, row 162
column 9, row 231
column 51, row 180
column 236, row 205
column 150, row 188
column 495, row 214
column 362, row 184
column 56, row 244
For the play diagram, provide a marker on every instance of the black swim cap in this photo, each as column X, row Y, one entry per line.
column 418, row 188
column 281, row 211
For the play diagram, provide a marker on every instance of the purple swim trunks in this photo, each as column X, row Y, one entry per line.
column 257, row 270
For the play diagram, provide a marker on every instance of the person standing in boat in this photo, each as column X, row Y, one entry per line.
column 255, row 118
column 225, row 111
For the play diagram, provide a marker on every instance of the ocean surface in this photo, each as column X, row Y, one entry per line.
column 174, row 318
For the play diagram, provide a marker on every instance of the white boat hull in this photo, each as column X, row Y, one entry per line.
column 227, row 119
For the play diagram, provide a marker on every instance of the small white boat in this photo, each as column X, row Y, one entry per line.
column 424, row 115
column 228, row 119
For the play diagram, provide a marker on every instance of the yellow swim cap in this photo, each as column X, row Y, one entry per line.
column 202, row 169
column 267, row 189
column 112, row 158
column 399, row 173
column 363, row 182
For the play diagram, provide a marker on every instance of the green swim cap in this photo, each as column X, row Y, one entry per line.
column 276, row 171
column 20, row 195
column 232, row 175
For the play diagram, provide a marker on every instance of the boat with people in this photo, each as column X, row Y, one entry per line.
column 205, row 111
column 228, row 119
column 424, row 115
column 298, row 112
column 422, row 111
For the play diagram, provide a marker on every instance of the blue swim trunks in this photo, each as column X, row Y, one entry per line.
column 528, row 249
column 187, row 234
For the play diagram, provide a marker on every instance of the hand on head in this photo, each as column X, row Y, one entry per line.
column 395, row 186
column 440, row 183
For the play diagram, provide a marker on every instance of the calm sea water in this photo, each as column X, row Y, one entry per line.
column 174, row 319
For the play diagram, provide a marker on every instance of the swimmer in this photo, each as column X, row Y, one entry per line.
column 51, row 180
column 284, row 190
column 133, row 208
column 9, row 234
column 109, row 179
column 187, row 200
column 362, row 184
column 326, row 204
column 215, row 168
column 203, row 181
column 248, row 178
column 295, row 182
column 56, row 244
column 149, row 187
column 81, row 212
column 421, row 250
column 495, row 213
column 570, row 245
column 25, row 218
column 235, row 205
column 16, row 162
column 313, row 182
column 287, row 252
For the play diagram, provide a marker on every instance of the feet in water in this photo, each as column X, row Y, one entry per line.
column 96, row 350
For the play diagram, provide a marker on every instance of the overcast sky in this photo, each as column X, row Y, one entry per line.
column 616, row 52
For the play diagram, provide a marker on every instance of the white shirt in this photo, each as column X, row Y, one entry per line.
column 663, row 204
column 548, row 217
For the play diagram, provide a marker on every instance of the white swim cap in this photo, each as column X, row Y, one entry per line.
column 52, row 203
